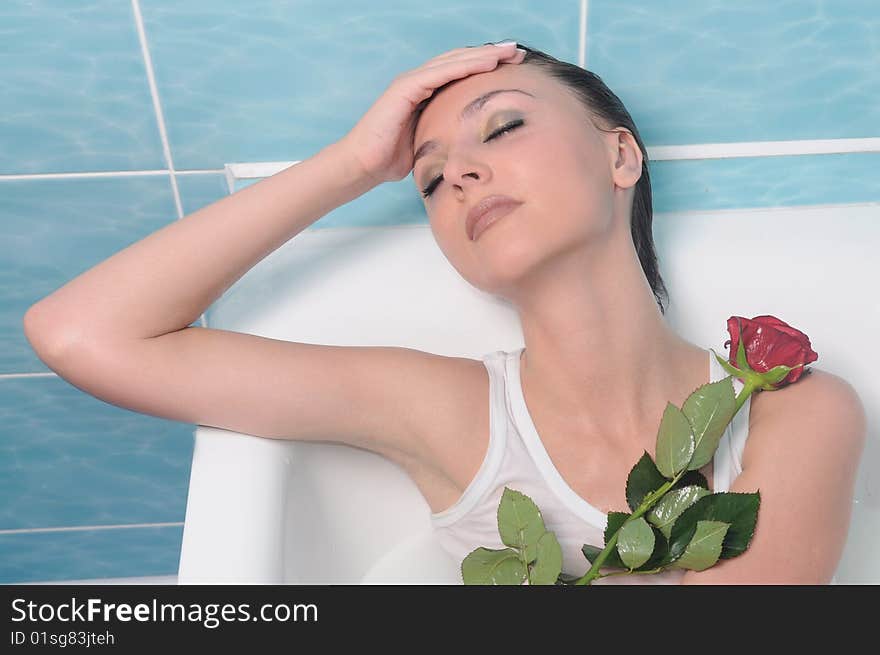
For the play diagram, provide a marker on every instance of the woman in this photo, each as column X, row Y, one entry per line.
column 539, row 194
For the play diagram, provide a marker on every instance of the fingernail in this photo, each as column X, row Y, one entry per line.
column 504, row 43
column 521, row 50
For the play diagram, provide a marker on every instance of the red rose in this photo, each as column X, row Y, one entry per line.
column 770, row 342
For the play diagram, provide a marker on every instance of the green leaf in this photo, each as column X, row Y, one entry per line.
column 520, row 523
column 740, row 510
column 704, row 547
column 635, row 543
column 612, row 525
column 673, row 503
column 591, row 552
column 727, row 366
column 709, row 409
column 566, row 579
column 643, row 479
column 548, row 566
column 742, row 362
column 661, row 550
column 615, row 520
column 691, row 479
column 675, row 442
column 494, row 567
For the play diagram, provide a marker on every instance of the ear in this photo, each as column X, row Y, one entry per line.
column 627, row 158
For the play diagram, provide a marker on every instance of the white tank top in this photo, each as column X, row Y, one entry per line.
column 516, row 458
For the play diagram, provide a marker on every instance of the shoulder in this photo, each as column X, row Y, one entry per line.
column 455, row 419
column 801, row 456
column 819, row 410
column 455, row 379
column 816, row 393
column 461, row 388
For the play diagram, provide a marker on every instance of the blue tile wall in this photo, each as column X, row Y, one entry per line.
column 69, row 459
column 90, row 554
column 765, row 181
column 277, row 80
column 75, row 89
column 720, row 71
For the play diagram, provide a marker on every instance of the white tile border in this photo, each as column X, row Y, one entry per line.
column 260, row 169
column 157, row 103
column 582, row 34
column 76, row 528
column 763, row 149
column 252, row 170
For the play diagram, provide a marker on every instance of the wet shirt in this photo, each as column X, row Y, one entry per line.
column 516, row 458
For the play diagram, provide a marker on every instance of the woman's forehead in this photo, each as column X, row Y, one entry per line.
column 448, row 103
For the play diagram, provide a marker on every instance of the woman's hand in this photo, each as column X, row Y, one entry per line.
column 382, row 141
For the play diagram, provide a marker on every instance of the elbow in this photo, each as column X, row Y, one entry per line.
column 43, row 333
column 32, row 325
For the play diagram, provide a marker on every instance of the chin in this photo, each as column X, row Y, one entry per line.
column 502, row 261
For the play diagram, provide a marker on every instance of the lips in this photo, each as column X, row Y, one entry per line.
column 486, row 211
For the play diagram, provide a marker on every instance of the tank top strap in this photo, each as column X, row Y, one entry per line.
column 492, row 460
column 728, row 458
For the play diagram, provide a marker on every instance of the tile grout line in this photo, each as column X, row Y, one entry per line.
column 12, row 376
column 157, row 103
column 79, row 528
column 160, row 115
column 764, row 148
column 582, row 41
column 696, row 151
column 100, row 174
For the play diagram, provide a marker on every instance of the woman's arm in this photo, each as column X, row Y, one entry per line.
column 802, row 454
column 162, row 283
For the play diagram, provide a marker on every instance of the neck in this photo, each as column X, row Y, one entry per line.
column 600, row 359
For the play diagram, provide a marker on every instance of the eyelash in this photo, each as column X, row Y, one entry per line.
column 428, row 190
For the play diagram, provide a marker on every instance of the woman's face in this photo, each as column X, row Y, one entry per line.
column 551, row 159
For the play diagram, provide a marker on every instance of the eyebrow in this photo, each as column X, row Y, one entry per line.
column 470, row 109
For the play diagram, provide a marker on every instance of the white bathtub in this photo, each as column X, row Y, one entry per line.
column 270, row 511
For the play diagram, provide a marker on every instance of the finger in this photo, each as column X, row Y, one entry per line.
column 430, row 78
column 443, row 72
column 481, row 58
column 518, row 55
column 457, row 52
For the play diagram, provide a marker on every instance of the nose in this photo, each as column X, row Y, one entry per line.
column 462, row 172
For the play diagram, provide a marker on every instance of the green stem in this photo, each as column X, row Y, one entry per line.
column 648, row 572
column 522, row 558
column 648, row 502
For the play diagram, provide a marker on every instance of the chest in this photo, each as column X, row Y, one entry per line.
column 458, row 443
column 600, row 478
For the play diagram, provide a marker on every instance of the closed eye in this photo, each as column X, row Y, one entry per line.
column 512, row 125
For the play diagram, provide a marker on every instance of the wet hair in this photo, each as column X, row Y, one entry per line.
column 606, row 109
